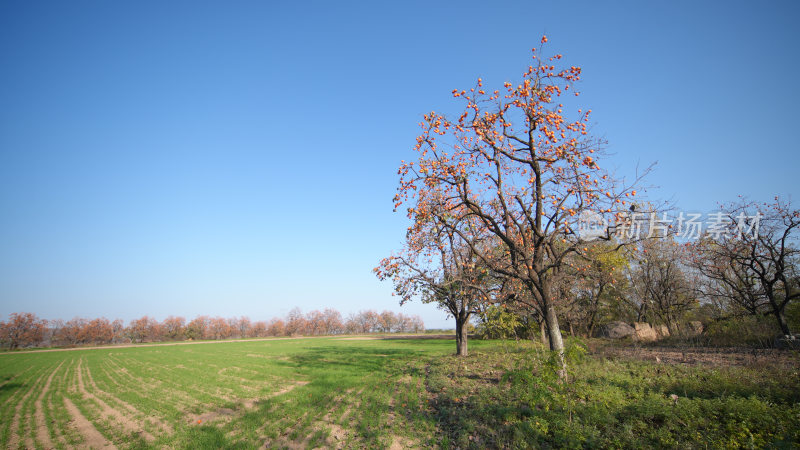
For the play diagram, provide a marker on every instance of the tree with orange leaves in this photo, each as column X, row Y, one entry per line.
column 22, row 330
column 174, row 328
column 96, row 331
column 440, row 266
column 144, row 329
column 516, row 166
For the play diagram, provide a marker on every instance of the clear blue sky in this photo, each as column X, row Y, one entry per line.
column 233, row 158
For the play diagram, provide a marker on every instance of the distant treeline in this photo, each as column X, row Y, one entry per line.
column 27, row 330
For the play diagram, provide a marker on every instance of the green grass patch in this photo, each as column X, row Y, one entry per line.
column 332, row 392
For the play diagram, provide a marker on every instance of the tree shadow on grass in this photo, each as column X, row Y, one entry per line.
column 358, row 359
column 209, row 437
column 10, row 387
column 327, row 377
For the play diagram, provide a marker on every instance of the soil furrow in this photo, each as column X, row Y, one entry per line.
column 110, row 397
column 105, row 410
column 15, row 438
column 42, row 434
column 61, row 383
column 144, row 386
column 16, row 392
column 91, row 437
column 165, row 381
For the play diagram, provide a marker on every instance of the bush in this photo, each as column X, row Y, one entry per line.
column 610, row 403
column 754, row 331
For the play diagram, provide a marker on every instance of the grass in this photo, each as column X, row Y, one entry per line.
column 331, row 392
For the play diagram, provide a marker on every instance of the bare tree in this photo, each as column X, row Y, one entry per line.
column 751, row 258
column 660, row 284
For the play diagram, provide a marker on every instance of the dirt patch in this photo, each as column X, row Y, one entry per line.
column 91, row 437
column 222, row 414
column 400, row 443
column 284, row 441
column 352, row 405
column 705, row 356
column 272, row 357
column 337, row 436
column 360, row 338
column 406, row 379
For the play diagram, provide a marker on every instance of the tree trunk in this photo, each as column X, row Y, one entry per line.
column 590, row 326
column 671, row 326
column 640, row 313
column 556, row 343
column 461, row 336
column 593, row 310
column 782, row 322
column 543, row 332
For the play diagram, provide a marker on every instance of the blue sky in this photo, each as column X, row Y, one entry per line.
column 239, row 158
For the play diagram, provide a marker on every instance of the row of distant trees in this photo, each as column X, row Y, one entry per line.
column 27, row 330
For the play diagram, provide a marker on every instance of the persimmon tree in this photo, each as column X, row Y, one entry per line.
column 439, row 265
column 517, row 164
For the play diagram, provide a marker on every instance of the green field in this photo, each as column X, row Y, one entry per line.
column 344, row 393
